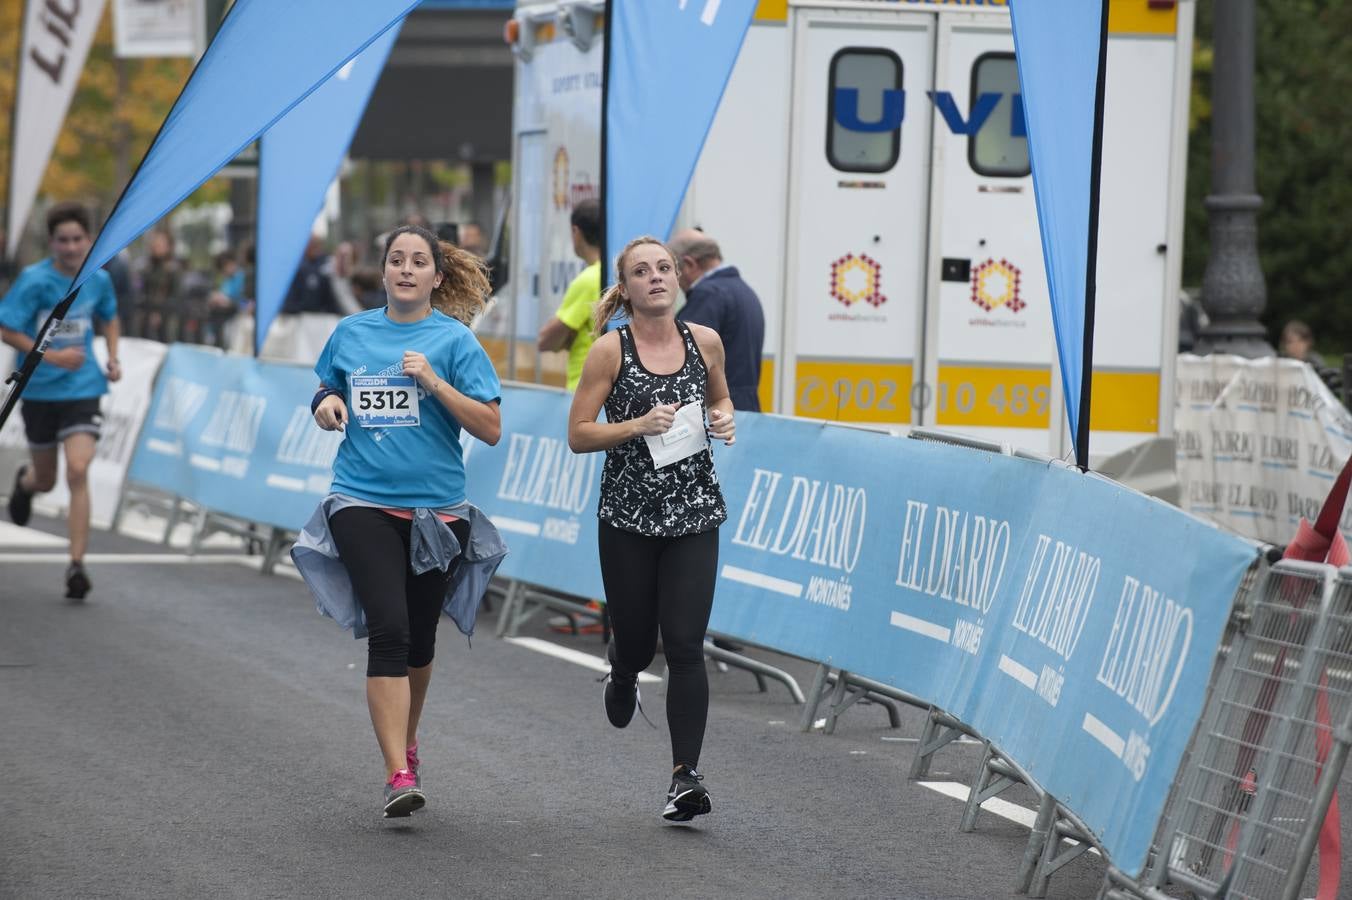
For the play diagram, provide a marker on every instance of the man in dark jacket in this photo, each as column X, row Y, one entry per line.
column 717, row 296
column 312, row 289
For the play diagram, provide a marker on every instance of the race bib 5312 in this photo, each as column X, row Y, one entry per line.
column 384, row 401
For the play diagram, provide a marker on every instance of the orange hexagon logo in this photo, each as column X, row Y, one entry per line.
column 856, row 278
column 995, row 284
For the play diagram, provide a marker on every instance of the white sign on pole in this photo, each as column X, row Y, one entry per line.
column 56, row 39
column 158, row 27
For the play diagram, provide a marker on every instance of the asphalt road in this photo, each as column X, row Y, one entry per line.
column 197, row 730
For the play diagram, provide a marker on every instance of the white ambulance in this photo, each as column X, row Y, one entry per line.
column 868, row 174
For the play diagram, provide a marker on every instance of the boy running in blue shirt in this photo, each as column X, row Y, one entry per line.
column 61, row 402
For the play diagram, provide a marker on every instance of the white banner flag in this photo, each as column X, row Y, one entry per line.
column 56, row 39
column 158, row 27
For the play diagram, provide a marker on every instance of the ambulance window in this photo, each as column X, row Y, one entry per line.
column 995, row 150
column 864, row 108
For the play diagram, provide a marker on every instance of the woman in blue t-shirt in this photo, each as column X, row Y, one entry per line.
column 401, row 382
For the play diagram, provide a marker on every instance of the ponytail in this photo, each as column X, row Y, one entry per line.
column 464, row 287
column 612, row 300
column 610, row 304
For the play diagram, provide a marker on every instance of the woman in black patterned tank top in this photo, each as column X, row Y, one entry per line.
column 660, row 504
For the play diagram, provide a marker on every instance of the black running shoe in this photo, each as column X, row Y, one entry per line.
column 77, row 581
column 621, row 693
column 20, row 501
column 687, row 798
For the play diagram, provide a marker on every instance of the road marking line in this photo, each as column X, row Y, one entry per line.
column 920, row 626
column 14, row 536
column 577, row 657
column 131, row 558
column 1020, row 815
column 761, row 580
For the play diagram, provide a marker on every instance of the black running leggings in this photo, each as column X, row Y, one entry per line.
column 402, row 609
column 664, row 584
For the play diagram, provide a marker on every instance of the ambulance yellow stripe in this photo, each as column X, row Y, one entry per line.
column 1136, row 17
column 1124, row 16
column 841, row 391
column 1125, row 401
column 772, row 11
column 987, row 397
column 765, row 391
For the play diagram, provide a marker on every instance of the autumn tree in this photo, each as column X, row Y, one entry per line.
column 116, row 110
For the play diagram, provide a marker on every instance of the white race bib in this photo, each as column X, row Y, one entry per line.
column 384, row 401
column 685, row 438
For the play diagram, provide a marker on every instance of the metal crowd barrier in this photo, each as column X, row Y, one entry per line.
column 1271, row 745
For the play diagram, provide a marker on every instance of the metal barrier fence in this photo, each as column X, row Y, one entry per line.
column 1271, row 745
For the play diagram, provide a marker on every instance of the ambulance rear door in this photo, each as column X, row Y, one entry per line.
column 859, row 190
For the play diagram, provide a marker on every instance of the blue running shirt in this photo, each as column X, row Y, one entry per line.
column 32, row 297
column 403, row 466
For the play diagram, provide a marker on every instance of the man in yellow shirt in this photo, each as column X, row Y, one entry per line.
column 571, row 327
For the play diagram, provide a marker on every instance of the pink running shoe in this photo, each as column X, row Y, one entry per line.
column 413, row 763
column 402, row 795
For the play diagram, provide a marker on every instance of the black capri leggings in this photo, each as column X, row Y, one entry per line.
column 664, row 584
column 402, row 609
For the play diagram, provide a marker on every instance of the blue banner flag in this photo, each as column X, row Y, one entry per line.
column 1059, row 45
column 266, row 58
column 298, row 158
column 662, row 55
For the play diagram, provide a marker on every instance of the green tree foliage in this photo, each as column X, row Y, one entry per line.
column 1303, row 77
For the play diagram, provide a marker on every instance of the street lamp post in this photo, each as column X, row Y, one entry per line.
column 1233, row 291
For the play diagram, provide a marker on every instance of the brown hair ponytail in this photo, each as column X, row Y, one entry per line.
column 464, row 287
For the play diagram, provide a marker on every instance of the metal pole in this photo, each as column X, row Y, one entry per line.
column 1233, row 290
column 1323, row 796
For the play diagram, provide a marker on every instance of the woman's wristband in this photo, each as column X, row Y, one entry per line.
column 319, row 397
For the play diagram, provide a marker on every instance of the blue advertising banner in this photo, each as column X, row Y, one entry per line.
column 1070, row 620
column 297, row 159
column 236, row 436
column 541, row 495
column 648, row 163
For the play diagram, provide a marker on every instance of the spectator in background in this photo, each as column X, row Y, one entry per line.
column 225, row 299
column 119, row 270
column 716, row 296
column 367, row 288
column 158, row 281
column 571, row 327
column 7, row 266
column 1297, row 342
column 471, row 238
column 312, row 289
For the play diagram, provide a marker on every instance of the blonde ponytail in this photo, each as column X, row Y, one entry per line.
column 612, row 299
